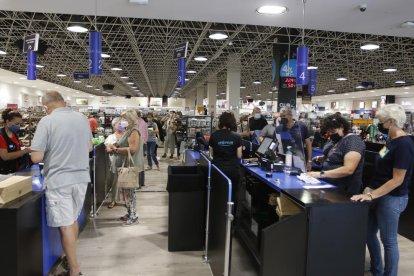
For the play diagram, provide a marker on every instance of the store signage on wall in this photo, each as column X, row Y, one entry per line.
column 12, row 106
column 80, row 75
column 30, row 43
column 180, row 50
column 81, row 101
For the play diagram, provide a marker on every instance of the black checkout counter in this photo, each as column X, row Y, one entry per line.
column 327, row 235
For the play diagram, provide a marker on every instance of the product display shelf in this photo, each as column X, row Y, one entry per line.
column 198, row 124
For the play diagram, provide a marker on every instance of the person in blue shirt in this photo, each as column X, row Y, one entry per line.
column 389, row 190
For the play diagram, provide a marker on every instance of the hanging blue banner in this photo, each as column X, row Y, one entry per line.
column 312, row 81
column 95, row 51
column 31, row 65
column 181, row 72
column 302, row 66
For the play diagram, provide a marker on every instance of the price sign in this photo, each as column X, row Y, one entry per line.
column 288, row 82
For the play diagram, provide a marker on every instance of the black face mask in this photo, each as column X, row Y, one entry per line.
column 382, row 129
column 283, row 121
column 335, row 137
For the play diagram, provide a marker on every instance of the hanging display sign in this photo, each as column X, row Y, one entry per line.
column 80, row 75
column 180, row 50
column 30, row 43
column 302, row 66
column 306, row 96
column 286, row 74
column 312, row 81
column 164, row 101
column 31, row 65
column 95, row 52
column 181, row 72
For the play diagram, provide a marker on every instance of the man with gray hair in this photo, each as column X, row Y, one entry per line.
column 63, row 142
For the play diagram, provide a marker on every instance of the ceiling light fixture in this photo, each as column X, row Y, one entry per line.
column 61, row 75
column 22, row 78
column 187, row 79
column 407, row 24
column 272, row 10
column 39, row 66
column 257, row 82
column 2, row 52
column 312, row 67
column 77, row 81
column 130, row 83
column 390, row 69
column 89, row 86
column 77, row 28
column 191, row 72
column 97, row 89
column 369, row 46
column 407, row 87
column 341, row 79
column 248, row 96
column 400, row 82
column 116, row 69
column 371, row 91
column 103, row 55
column 218, row 36
column 134, row 87
column 331, row 91
column 242, row 86
column 200, row 58
column 125, row 77
column 360, row 87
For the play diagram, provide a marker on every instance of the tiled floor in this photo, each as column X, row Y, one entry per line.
column 106, row 248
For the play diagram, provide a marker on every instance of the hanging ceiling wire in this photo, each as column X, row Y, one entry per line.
column 303, row 22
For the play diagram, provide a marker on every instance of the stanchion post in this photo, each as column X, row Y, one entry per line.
column 205, row 256
column 230, row 219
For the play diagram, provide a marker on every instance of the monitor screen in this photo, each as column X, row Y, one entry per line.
column 264, row 146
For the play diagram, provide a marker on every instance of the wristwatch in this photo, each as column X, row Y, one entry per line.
column 321, row 174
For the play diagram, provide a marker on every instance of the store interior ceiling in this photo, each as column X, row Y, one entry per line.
column 140, row 39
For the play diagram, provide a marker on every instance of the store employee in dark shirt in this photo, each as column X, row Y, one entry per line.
column 390, row 188
column 226, row 149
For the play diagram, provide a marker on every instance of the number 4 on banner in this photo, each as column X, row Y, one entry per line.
column 302, row 76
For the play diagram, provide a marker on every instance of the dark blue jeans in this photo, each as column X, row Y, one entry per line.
column 151, row 153
column 384, row 216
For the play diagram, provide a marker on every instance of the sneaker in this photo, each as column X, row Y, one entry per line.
column 164, row 156
column 124, row 218
column 131, row 221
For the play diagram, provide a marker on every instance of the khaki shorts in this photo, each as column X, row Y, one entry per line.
column 64, row 205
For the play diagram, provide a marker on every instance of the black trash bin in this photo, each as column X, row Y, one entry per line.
column 186, row 208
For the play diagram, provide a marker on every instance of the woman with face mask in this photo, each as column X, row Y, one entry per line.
column 342, row 162
column 10, row 151
column 389, row 190
column 243, row 127
column 111, row 143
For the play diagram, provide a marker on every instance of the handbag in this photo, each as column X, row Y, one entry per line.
column 128, row 176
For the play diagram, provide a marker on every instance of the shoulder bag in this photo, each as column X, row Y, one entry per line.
column 128, row 176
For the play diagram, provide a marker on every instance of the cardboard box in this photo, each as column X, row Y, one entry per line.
column 12, row 187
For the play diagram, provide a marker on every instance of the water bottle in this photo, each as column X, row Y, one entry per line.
column 288, row 160
column 36, row 183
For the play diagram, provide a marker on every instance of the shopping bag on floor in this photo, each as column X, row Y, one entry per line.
column 128, row 176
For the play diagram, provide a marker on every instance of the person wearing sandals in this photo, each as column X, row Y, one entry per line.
column 152, row 142
column 111, row 143
column 132, row 142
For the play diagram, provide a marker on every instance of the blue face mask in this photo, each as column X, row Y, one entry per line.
column 120, row 128
column 14, row 128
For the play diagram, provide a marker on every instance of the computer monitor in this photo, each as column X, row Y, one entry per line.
column 248, row 148
column 264, row 146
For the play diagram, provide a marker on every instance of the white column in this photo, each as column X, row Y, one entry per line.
column 212, row 96
column 233, row 86
column 190, row 100
column 200, row 95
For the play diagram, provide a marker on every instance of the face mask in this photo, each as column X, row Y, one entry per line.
column 120, row 128
column 124, row 124
column 335, row 138
column 283, row 121
column 257, row 116
column 14, row 128
column 382, row 129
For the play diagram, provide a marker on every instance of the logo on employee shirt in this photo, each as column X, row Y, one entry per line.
column 225, row 143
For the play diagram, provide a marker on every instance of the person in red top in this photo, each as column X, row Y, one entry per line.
column 94, row 124
column 10, row 151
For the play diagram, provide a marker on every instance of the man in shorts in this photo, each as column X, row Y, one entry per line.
column 63, row 142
